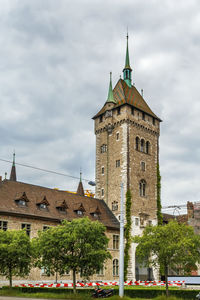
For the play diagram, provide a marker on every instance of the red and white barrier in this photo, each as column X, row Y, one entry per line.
column 111, row 283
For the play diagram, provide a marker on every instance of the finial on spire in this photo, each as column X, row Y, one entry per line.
column 14, row 158
column 80, row 175
column 127, row 69
column 110, row 91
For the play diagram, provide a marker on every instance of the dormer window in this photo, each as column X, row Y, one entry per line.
column 22, row 200
column 96, row 213
column 79, row 209
column 43, row 205
column 62, row 206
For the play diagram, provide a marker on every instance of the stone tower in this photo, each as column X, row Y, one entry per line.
column 127, row 151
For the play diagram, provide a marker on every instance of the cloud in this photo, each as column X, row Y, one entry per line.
column 55, row 59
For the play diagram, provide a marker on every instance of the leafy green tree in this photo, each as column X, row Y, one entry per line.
column 15, row 254
column 79, row 245
column 169, row 246
column 127, row 233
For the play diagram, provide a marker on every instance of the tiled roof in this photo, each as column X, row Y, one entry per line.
column 11, row 190
column 123, row 94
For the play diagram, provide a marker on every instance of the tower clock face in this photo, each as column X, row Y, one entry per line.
column 108, row 114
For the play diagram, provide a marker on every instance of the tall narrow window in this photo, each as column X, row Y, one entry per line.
column 147, row 147
column 117, row 136
column 100, row 119
column 132, row 110
column 102, row 192
column 102, row 170
column 143, row 116
column 143, row 166
column 137, row 142
column 118, row 110
column 115, row 241
column 142, row 187
column 115, row 267
column 142, row 146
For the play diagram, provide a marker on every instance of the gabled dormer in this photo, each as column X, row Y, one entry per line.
column 62, row 206
column 22, row 200
column 79, row 209
column 43, row 205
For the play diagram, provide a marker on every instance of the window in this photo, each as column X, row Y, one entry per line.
column 101, row 271
column 137, row 142
column 153, row 121
column 115, row 241
column 118, row 110
column 149, row 222
column 142, row 146
column 143, row 116
column 118, row 163
column 43, row 206
column 102, row 192
column 44, row 271
column 22, row 202
column 45, row 227
column 79, row 212
column 115, row 267
column 143, row 166
column 117, row 136
column 102, row 170
column 147, row 147
column 132, row 110
column 136, row 221
column 103, row 148
column 100, row 119
column 114, row 205
column 142, row 187
column 3, row 225
column 27, row 227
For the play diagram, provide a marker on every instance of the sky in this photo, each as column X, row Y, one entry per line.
column 55, row 59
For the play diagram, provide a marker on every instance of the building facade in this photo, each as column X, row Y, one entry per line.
column 127, row 152
column 34, row 208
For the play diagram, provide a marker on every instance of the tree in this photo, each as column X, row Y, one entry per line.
column 15, row 254
column 127, row 233
column 169, row 246
column 79, row 245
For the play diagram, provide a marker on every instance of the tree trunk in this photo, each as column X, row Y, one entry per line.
column 10, row 277
column 56, row 277
column 74, row 281
column 166, row 280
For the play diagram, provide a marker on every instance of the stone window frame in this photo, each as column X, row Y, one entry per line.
column 115, row 205
column 3, row 225
column 102, row 170
column 117, row 163
column 115, row 267
column 103, row 148
column 142, row 145
column 142, row 188
column 143, row 166
column 115, row 241
column 102, row 192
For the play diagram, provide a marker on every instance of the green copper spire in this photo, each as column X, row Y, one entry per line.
column 110, row 91
column 127, row 69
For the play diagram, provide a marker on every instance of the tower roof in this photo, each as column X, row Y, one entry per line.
column 127, row 61
column 13, row 176
column 123, row 94
column 110, row 91
column 80, row 189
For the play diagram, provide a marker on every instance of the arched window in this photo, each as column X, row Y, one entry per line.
column 137, row 142
column 142, row 145
column 115, row 267
column 147, row 147
column 142, row 187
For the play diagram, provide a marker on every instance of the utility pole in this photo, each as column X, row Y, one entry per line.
column 121, row 249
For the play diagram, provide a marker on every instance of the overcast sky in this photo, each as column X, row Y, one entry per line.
column 55, row 59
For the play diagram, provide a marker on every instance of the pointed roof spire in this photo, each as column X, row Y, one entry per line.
column 13, row 176
column 80, row 189
column 110, row 91
column 127, row 61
